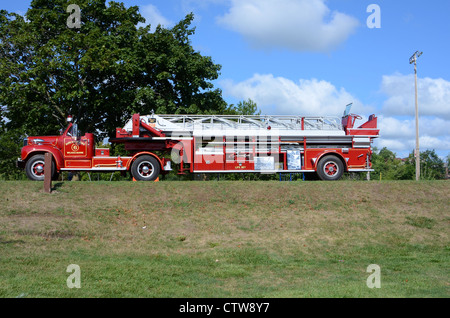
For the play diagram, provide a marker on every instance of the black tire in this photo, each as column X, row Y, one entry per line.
column 34, row 168
column 145, row 168
column 330, row 168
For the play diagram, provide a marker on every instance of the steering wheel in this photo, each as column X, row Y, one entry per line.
column 355, row 116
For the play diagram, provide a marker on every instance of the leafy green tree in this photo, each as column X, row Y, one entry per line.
column 100, row 73
column 431, row 166
column 246, row 107
column 10, row 144
column 388, row 167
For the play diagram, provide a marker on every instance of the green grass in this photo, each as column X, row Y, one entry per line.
column 225, row 239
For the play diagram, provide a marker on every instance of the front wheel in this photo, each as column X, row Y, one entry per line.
column 330, row 168
column 34, row 168
column 145, row 168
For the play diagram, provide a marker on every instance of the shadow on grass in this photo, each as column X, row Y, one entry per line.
column 10, row 241
column 57, row 185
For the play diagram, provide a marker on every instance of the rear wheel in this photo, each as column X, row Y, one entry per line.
column 34, row 168
column 330, row 168
column 145, row 168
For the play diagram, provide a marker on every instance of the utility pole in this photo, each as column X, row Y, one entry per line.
column 413, row 59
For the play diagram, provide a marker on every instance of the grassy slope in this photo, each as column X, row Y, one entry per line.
column 225, row 239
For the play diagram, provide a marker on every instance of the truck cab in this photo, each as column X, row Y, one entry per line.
column 74, row 152
column 69, row 149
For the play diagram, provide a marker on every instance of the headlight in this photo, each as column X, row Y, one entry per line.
column 25, row 142
column 37, row 141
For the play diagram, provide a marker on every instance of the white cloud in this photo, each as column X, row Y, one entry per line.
column 394, row 128
column 433, row 96
column 428, row 142
column 313, row 97
column 399, row 135
column 154, row 17
column 397, row 120
column 300, row 25
column 282, row 96
column 405, row 146
column 400, row 147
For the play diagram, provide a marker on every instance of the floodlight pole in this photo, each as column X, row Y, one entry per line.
column 413, row 59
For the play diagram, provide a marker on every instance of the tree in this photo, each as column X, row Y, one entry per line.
column 388, row 167
column 246, row 107
column 431, row 166
column 100, row 73
column 10, row 143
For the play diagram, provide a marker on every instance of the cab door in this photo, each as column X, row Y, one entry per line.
column 76, row 151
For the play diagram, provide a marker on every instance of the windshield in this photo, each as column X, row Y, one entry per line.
column 73, row 131
column 347, row 109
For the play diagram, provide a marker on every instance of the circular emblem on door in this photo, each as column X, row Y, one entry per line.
column 75, row 147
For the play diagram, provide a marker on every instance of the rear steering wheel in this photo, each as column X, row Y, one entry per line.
column 355, row 116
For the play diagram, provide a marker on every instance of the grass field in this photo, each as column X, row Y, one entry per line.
column 225, row 239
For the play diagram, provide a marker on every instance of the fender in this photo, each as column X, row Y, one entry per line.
column 30, row 150
column 337, row 154
column 144, row 153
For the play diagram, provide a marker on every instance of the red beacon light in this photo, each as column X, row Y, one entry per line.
column 69, row 118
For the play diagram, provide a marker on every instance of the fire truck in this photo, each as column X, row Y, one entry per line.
column 324, row 147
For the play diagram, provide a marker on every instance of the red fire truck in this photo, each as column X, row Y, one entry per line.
column 322, row 146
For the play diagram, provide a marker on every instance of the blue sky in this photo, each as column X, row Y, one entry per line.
column 312, row 57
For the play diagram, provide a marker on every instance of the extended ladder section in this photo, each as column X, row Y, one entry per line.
column 240, row 125
column 238, row 122
column 318, row 131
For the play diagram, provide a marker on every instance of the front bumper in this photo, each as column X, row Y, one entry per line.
column 20, row 163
